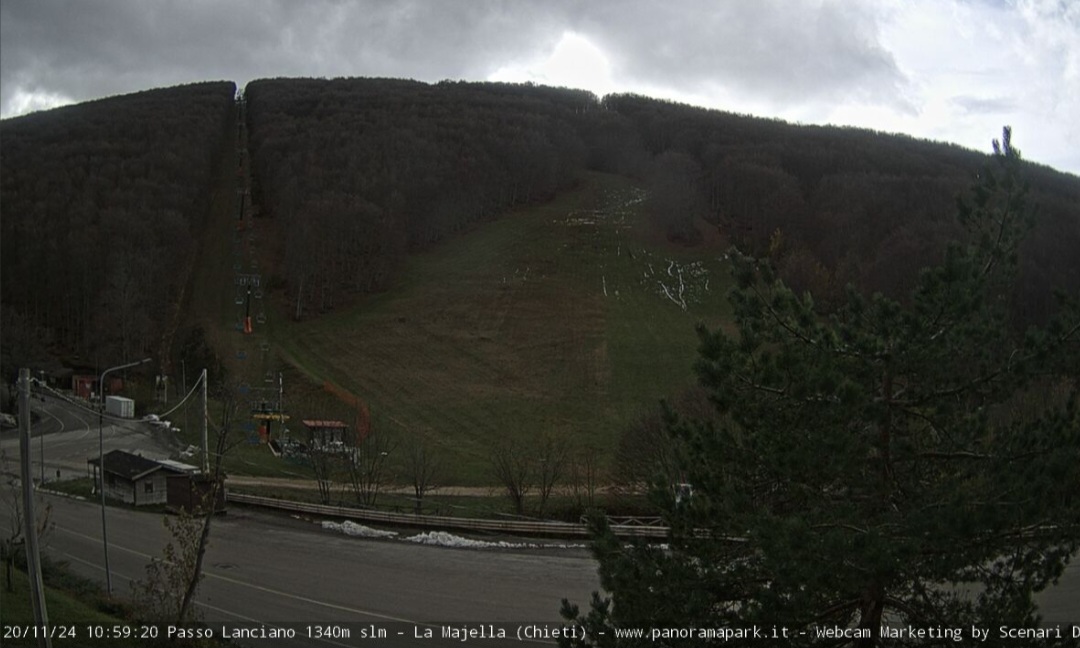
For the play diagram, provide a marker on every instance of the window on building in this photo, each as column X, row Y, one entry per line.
column 148, row 487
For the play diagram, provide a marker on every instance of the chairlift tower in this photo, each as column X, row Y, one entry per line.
column 266, row 408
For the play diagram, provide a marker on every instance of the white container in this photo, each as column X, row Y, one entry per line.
column 120, row 406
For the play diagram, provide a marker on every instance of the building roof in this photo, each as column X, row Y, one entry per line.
column 316, row 423
column 178, row 466
column 130, row 466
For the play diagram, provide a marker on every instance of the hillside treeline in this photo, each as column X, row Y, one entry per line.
column 361, row 171
column 101, row 203
column 831, row 205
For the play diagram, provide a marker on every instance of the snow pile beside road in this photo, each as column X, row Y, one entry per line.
column 437, row 538
column 359, row 530
column 444, row 539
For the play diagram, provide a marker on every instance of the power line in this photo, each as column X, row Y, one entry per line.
column 115, row 419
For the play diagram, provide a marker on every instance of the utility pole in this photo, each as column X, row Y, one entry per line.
column 33, row 555
column 41, row 442
column 101, row 466
column 205, row 442
column 183, row 389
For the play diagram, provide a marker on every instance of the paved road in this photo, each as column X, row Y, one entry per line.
column 270, row 569
column 263, row 568
column 70, row 437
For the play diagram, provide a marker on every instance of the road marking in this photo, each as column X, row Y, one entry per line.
column 94, row 565
column 86, row 424
column 54, row 417
column 261, row 588
column 269, row 623
column 268, row 590
column 305, row 599
column 198, row 603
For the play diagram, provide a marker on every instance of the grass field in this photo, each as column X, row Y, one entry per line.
column 70, row 611
column 566, row 318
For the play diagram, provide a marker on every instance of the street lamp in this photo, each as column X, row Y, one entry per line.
column 41, row 435
column 101, row 465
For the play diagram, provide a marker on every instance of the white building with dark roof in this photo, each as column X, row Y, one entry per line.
column 133, row 479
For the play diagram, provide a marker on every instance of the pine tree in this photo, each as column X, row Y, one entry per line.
column 903, row 463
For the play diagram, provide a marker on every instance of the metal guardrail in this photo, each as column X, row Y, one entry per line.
column 634, row 520
column 517, row 527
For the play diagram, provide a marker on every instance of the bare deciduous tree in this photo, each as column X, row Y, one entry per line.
column 324, row 467
column 512, row 467
column 422, row 464
column 366, row 465
column 552, row 453
column 160, row 595
column 522, row 467
column 11, row 544
column 168, row 591
column 585, row 474
column 647, row 452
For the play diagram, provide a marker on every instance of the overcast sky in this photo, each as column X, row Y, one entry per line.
column 951, row 70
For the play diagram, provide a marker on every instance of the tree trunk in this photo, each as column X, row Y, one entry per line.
column 8, row 582
column 873, row 606
column 299, row 298
column 204, row 537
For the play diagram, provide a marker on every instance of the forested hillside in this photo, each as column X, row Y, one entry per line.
column 831, row 205
column 100, row 204
column 101, row 201
column 362, row 171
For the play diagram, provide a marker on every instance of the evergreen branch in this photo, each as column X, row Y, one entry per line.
column 992, row 260
column 898, row 604
column 921, row 415
column 779, row 320
column 987, row 378
column 1037, row 531
column 758, row 387
column 954, row 455
column 849, row 527
column 839, row 608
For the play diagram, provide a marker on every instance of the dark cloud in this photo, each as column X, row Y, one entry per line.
column 95, row 48
column 100, row 47
column 771, row 49
column 817, row 61
column 775, row 50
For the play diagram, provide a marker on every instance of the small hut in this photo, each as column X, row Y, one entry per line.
column 133, row 479
column 326, row 434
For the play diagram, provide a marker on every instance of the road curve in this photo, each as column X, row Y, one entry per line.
column 270, row 569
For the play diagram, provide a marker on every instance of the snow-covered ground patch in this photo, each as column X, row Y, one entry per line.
column 444, row 539
column 358, row 530
column 682, row 284
column 438, row 538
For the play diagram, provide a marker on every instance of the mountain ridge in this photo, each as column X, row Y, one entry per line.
column 356, row 184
